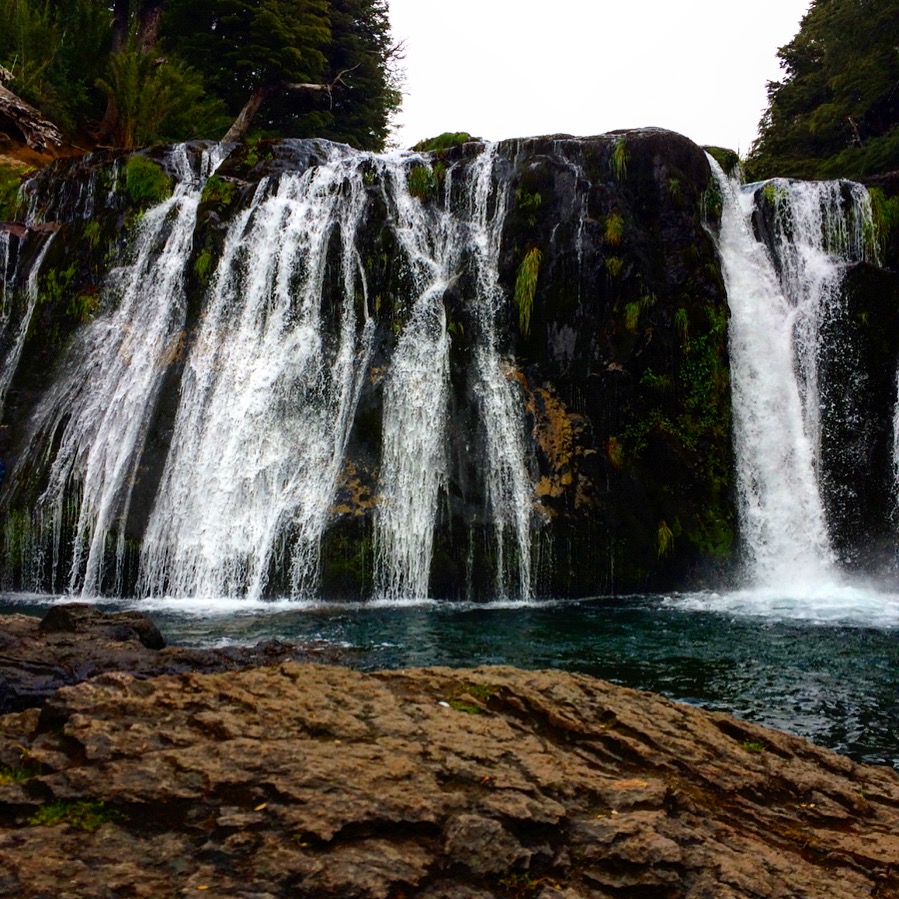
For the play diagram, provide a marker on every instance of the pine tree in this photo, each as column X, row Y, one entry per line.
column 296, row 68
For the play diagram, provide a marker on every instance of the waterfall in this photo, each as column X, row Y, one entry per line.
column 812, row 237
column 32, row 296
column 442, row 246
column 101, row 407
column 779, row 297
column 413, row 455
column 268, row 395
column 509, row 491
column 251, row 449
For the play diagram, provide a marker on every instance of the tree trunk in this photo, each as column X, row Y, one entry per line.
column 238, row 130
column 149, row 16
column 40, row 134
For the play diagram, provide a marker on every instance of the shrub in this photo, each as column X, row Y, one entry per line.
column 443, row 141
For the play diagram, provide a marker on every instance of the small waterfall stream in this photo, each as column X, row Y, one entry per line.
column 99, row 410
column 779, row 296
column 509, row 490
column 440, row 244
column 17, row 341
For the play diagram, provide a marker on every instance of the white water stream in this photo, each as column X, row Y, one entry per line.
column 32, row 296
column 441, row 248
column 268, row 396
column 100, row 409
column 778, row 302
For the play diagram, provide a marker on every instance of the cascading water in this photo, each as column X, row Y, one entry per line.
column 815, row 231
column 509, row 491
column 271, row 388
column 779, row 297
column 17, row 341
column 244, row 479
column 439, row 244
column 268, row 396
column 99, row 410
column 413, row 455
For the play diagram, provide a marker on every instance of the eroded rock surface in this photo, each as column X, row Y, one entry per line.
column 75, row 641
column 320, row 781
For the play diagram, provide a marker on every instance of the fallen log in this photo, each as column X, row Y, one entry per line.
column 39, row 133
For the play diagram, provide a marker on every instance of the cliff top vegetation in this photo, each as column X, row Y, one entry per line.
column 131, row 72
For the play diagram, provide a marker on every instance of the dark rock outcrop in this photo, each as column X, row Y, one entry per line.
column 314, row 781
column 75, row 642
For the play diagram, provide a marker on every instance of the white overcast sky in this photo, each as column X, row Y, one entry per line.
column 516, row 68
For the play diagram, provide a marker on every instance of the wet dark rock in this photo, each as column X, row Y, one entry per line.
column 80, row 618
column 74, row 642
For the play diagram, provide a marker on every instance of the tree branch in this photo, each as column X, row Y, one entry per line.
column 241, row 124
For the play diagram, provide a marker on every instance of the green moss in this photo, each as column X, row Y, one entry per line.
column 526, row 288
column 55, row 284
column 204, row 264
column 885, row 221
column 682, row 323
column 751, row 746
column 11, row 178
column 614, row 265
column 614, row 232
column 15, row 775
column 631, row 311
column 618, row 159
column 92, row 233
column 523, row 885
column 615, row 452
column 220, row 191
column 84, row 815
column 712, row 202
column 674, row 190
column 774, row 194
column 84, row 305
column 664, row 539
column 422, row 182
column 650, row 379
column 467, row 707
column 444, row 141
column 146, row 182
column 727, row 159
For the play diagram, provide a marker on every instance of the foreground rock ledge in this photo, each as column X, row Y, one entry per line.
column 308, row 780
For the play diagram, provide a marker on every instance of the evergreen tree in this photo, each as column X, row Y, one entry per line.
column 55, row 52
column 309, row 68
column 154, row 99
column 836, row 111
column 362, row 66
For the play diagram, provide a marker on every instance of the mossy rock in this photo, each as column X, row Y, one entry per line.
column 146, row 182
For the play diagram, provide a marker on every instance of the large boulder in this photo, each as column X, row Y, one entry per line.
column 314, row 781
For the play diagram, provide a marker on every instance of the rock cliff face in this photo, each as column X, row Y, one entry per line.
column 315, row 781
column 608, row 319
column 496, row 378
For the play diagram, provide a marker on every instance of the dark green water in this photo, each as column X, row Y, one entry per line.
column 824, row 669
